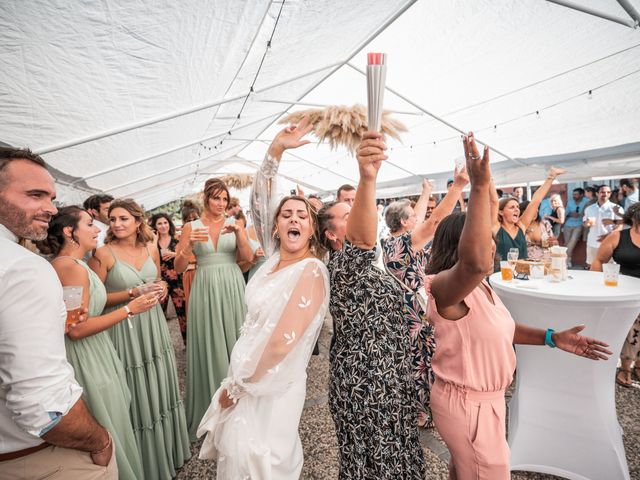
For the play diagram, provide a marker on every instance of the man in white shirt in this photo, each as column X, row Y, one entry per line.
column 600, row 219
column 98, row 208
column 46, row 430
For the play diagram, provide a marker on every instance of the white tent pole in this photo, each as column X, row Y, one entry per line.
column 179, row 113
column 177, row 167
column 176, row 181
column 631, row 11
column 529, row 191
column 306, row 104
column 175, row 149
column 411, row 102
column 595, row 13
column 145, row 192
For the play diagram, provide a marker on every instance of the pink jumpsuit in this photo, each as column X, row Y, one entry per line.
column 474, row 363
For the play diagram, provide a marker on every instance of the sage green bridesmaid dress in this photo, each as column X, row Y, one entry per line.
column 100, row 373
column 216, row 313
column 144, row 346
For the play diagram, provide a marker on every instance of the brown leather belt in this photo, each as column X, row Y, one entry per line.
column 22, row 453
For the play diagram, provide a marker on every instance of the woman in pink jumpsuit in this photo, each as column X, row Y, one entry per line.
column 474, row 360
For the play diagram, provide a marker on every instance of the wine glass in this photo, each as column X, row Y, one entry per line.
column 512, row 258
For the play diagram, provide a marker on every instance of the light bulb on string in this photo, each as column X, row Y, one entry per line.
column 590, row 95
column 495, row 129
column 434, row 144
column 538, row 115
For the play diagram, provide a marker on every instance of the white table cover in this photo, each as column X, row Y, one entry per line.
column 562, row 417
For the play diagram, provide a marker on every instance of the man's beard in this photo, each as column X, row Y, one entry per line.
column 17, row 220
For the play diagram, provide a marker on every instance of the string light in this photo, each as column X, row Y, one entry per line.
column 590, row 95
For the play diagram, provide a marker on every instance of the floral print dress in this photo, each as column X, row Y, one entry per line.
column 371, row 390
column 409, row 268
column 174, row 280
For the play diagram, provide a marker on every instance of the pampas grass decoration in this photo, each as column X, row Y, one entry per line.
column 344, row 126
column 239, row 181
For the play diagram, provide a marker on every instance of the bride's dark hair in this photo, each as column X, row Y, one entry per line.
column 314, row 243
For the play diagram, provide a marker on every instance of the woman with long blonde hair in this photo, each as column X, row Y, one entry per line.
column 128, row 264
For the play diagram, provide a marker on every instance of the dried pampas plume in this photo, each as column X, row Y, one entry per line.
column 342, row 125
column 239, row 181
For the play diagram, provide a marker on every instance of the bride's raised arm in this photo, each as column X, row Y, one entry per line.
column 264, row 191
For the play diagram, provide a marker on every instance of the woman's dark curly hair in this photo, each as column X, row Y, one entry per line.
column 158, row 216
column 66, row 217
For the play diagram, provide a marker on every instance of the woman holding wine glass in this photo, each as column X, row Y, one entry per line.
column 95, row 362
column 216, row 303
column 125, row 263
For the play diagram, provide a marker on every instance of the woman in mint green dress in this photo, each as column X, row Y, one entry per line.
column 89, row 349
column 125, row 263
column 216, row 302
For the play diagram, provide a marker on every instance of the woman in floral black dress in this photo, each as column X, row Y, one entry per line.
column 164, row 227
column 405, row 257
column 372, row 393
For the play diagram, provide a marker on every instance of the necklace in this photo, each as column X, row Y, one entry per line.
column 213, row 222
column 288, row 260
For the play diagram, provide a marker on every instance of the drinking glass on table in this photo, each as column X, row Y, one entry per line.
column 72, row 297
column 611, row 272
column 506, row 270
column 512, row 257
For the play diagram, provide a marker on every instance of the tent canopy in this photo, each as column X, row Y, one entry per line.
column 148, row 99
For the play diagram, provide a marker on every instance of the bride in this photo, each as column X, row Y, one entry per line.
column 252, row 422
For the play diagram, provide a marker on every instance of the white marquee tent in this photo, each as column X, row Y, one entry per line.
column 149, row 98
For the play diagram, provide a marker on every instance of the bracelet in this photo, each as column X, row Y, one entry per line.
column 129, row 312
column 130, row 292
column 105, row 448
column 548, row 341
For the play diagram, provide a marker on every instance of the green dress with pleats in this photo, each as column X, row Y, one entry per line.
column 100, row 373
column 216, row 313
column 144, row 346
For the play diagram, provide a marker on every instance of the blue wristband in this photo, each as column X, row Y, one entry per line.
column 548, row 341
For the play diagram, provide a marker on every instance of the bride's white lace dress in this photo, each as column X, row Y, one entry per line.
column 257, row 438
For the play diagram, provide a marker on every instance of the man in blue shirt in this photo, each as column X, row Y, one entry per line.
column 573, row 223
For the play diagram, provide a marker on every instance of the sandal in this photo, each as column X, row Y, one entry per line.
column 623, row 380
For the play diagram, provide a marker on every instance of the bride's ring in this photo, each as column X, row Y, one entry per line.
column 477, row 157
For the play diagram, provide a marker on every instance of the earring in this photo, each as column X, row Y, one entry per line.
column 276, row 236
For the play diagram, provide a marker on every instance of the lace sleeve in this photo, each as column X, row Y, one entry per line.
column 264, row 199
column 289, row 340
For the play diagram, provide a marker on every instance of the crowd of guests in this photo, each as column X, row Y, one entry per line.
column 100, row 398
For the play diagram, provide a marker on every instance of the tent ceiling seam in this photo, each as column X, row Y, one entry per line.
column 594, row 12
column 170, row 116
column 246, row 55
column 175, row 149
column 448, row 124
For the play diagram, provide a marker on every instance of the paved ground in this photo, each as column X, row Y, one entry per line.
column 318, row 436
